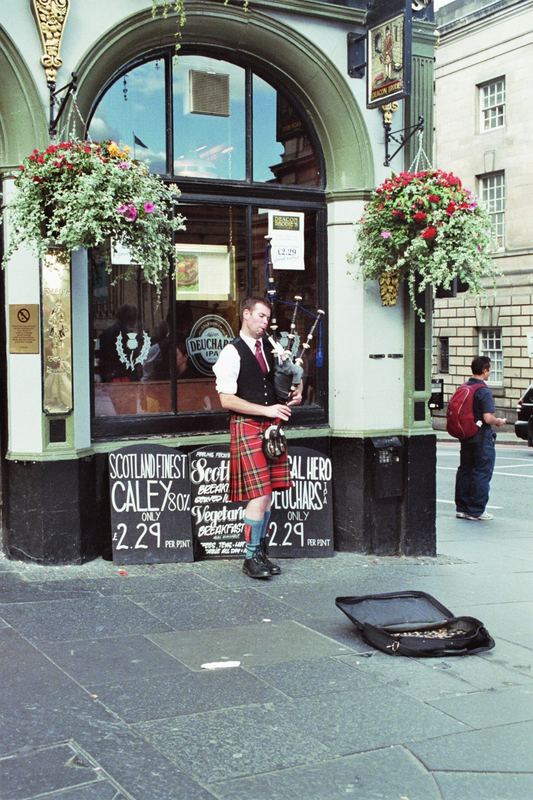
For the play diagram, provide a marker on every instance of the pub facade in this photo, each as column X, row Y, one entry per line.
column 261, row 121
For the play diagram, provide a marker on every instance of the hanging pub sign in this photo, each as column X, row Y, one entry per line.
column 301, row 524
column 150, row 505
column 389, row 53
column 286, row 231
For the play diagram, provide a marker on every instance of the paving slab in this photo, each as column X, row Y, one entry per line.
column 143, row 771
column 155, row 583
column 252, row 645
column 44, row 770
column 103, row 790
column 83, row 618
column 504, row 748
column 169, row 695
column 217, row 745
column 212, row 609
column 476, row 786
column 301, row 678
column 419, row 678
column 428, row 678
column 512, row 621
column 494, row 707
column 380, row 775
column 371, row 715
column 101, row 662
column 14, row 589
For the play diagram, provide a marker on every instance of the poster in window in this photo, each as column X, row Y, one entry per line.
column 388, row 61
column 205, row 272
column 286, row 231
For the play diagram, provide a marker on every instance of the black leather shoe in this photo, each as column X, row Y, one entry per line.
column 255, row 567
column 274, row 569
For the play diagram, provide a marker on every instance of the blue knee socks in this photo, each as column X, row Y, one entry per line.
column 252, row 534
column 264, row 529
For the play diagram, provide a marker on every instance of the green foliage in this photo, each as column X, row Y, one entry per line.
column 427, row 227
column 81, row 194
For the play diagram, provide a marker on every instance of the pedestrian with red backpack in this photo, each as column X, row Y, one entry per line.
column 470, row 417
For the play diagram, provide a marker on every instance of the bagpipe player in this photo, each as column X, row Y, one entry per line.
column 245, row 383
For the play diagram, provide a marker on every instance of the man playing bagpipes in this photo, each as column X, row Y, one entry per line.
column 245, row 383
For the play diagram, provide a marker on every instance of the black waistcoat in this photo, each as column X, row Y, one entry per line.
column 252, row 384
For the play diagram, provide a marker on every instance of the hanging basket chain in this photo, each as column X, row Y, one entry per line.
column 68, row 129
column 420, row 156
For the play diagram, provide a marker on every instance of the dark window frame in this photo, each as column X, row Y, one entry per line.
column 246, row 193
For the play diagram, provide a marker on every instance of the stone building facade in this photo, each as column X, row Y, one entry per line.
column 290, row 133
column 484, row 97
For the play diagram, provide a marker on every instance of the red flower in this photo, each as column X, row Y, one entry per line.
column 429, row 233
column 450, row 208
column 40, row 159
column 397, row 212
column 21, row 168
column 50, row 150
column 434, row 198
column 420, row 216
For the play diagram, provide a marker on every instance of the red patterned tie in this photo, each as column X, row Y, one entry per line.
column 260, row 357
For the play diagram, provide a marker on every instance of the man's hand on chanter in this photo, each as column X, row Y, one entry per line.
column 296, row 399
column 277, row 411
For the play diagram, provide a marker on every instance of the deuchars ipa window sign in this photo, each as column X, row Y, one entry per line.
column 388, row 61
column 287, row 239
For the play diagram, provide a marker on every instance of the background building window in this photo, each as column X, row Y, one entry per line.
column 490, row 344
column 444, row 354
column 492, row 104
column 492, row 195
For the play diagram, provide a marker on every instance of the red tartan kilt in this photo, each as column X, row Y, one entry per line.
column 251, row 475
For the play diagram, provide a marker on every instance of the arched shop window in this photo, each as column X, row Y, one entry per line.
column 238, row 147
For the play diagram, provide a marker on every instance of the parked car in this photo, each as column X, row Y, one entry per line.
column 523, row 426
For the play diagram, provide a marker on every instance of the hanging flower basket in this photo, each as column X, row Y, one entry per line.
column 426, row 229
column 82, row 194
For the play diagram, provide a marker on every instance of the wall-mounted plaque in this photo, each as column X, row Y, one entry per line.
column 24, row 328
column 301, row 524
column 150, row 505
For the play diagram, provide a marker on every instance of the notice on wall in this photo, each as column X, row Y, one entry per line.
column 301, row 524
column 24, row 328
column 150, row 505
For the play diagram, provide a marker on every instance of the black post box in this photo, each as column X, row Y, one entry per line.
column 436, row 401
column 387, row 466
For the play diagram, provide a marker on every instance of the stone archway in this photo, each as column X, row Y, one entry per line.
column 22, row 120
column 300, row 65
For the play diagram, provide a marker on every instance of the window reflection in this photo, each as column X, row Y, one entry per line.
column 288, row 284
column 209, row 118
column 283, row 152
column 132, row 113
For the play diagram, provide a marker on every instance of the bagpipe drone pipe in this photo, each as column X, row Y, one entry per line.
column 289, row 360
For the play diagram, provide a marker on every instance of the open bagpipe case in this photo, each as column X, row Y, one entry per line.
column 288, row 361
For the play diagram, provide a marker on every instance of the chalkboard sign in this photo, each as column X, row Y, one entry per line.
column 150, row 505
column 301, row 524
column 218, row 524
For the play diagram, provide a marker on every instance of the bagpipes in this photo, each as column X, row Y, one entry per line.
column 288, row 362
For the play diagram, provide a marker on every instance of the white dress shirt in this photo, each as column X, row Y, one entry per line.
column 228, row 365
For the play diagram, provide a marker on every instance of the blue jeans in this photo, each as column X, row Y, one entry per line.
column 475, row 470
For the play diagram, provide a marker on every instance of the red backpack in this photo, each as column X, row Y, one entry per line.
column 460, row 421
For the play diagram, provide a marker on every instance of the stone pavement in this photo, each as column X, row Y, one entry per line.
column 105, row 697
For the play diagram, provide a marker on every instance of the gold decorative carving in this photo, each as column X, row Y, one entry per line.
column 51, row 16
column 57, row 332
column 387, row 111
